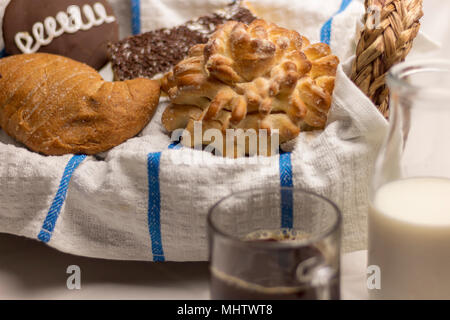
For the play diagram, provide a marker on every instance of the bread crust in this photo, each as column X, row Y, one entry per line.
column 55, row 105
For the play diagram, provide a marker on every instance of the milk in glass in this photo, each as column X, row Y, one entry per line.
column 409, row 239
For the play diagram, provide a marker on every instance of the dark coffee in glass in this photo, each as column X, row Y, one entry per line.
column 251, row 260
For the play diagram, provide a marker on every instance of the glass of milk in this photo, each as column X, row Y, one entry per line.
column 409, row 218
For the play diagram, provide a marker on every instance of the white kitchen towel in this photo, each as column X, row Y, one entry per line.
column 122, row 11
column 147, row 199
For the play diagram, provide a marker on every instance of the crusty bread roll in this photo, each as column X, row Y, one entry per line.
column 55, row 105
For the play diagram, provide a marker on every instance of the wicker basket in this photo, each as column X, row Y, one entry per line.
column 390, row 27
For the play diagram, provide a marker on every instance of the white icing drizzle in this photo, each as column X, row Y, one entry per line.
column 70, row 22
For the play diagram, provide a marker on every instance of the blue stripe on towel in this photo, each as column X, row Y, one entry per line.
column 287, row 201
column 2, row 53
column 154, row 206
column 325, row 32
column 136, row 16
column 154, row 202
column 175, row 146
column 52, row 216
column 286, row 180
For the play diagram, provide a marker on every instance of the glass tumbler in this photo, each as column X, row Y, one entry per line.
column 269, row 244
column 409, row 219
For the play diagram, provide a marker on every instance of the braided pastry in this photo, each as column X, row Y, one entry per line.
column 55, row 105
column 259, row 76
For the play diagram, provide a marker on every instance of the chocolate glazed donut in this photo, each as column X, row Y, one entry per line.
column 88, row 46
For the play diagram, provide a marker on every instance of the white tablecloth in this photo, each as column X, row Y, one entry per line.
column 31, row 270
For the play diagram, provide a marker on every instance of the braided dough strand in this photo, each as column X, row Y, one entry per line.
column 247, row 76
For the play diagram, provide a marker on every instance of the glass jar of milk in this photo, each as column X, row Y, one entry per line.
column 409, row 218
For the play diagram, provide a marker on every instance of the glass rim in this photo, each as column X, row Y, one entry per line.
column 277, row 244
column 396, row 76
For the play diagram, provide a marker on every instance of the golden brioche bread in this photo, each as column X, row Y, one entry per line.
column 55, row 105
column 259, row 76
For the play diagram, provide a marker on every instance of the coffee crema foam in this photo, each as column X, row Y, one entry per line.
column 282, row 235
